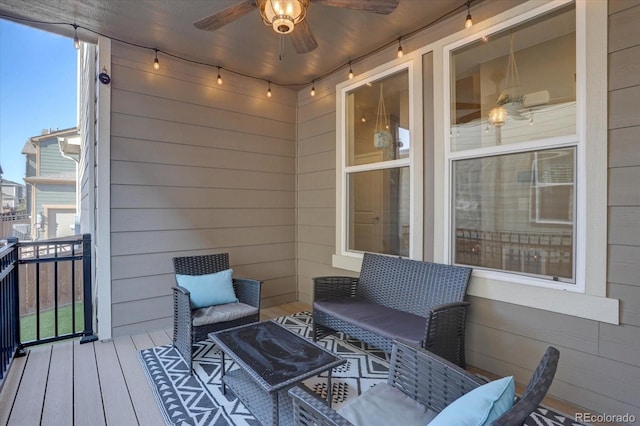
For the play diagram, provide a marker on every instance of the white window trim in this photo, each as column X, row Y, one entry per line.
column 591, row 259
column 349, row 260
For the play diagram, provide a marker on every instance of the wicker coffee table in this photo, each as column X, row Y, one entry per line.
column 272, row 359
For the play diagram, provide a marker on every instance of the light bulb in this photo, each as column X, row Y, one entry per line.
column 156, row 63
column 400, row 52
column 363, row 119
column 468, row 23
column 269, row 91
column 313, row 90
column 219, row 77
column 350, row 71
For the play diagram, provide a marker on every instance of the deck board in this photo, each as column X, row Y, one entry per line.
column 10, row 388
column 144, row 403
column 32, row 388
column 160, row 338
column 87, row 399
column 118, row 407
column 58, row 405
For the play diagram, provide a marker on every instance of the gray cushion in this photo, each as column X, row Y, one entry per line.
column 384, row 321
column 383, row 405
column 222, row 313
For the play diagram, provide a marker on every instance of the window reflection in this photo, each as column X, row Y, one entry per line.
column 379, row 211
column 515, row 212
column 517, row 85
column 374, row 133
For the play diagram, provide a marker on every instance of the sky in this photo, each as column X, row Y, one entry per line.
column 38, row 90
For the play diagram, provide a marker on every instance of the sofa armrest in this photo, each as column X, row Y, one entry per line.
column 311, row 410
column 332, row 288
column 182, row 323
column 445, row 331
column 427, row 378
column 248, row 291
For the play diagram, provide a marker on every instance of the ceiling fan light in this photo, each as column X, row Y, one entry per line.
column 282, row 15
column 498, row 116
column 282, row 24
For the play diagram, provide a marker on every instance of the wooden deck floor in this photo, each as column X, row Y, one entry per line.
column 99, row 383
column 102, row 383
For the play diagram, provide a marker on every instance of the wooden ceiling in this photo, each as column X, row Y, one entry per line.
column 246, row 45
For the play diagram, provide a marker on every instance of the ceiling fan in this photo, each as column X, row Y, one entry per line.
column 284, row 15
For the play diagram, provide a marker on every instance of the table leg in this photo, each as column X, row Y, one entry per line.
column 276, row 420
column 329, row 388
column 224, row 387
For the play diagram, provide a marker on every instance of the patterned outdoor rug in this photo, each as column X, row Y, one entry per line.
column 198, row 400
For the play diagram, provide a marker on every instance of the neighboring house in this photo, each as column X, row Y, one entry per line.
column 13, row 194
column 51, row 176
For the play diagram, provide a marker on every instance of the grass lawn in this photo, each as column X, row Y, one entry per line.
column 47, row 323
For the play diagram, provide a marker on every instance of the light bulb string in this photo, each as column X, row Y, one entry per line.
column 393, row 42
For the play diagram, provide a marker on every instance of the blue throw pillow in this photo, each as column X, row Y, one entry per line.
column 210, row 289
column 479, row 407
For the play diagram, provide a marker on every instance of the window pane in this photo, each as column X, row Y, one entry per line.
column 516, row 212
column 378, row 219
column 378, row 120
column 517, row 85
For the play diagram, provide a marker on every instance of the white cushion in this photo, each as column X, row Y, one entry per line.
column 383, row 405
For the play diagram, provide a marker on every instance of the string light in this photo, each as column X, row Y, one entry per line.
column 76, row 40
column 269, row 91
column 219, row 77
column 468, row 23
column 400, row 52
column 156, row 62
column 313, row 88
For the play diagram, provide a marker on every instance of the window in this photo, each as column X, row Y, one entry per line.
column 513, row 149
column 377, row 145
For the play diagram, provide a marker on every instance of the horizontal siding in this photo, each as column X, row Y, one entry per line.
column 196, row 169
column 58, row 194
column 51, row 160
column 599, row 367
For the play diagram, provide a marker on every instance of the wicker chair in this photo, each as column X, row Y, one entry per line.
column 434, row 383
column 185, row 334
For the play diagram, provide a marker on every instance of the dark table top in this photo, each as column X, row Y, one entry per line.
column 275, row 356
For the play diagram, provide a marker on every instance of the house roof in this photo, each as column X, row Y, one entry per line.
column 29, row 148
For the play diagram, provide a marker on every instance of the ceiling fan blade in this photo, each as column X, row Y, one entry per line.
column 226, row 16
column 302, row 38
column 383, row 7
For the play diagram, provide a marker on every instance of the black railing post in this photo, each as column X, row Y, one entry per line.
column 15, row 290
column 86, row 289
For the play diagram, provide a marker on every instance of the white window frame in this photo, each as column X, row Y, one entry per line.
column 343, row 257
column 587, row 298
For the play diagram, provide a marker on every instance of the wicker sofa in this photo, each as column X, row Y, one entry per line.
column 395, row 298
column 429, row 382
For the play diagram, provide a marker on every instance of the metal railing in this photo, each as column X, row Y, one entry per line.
column 9, row 315
column 45, row 294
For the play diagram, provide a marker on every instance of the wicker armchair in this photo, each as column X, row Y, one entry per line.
column 185, row 334
column 434, row 383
